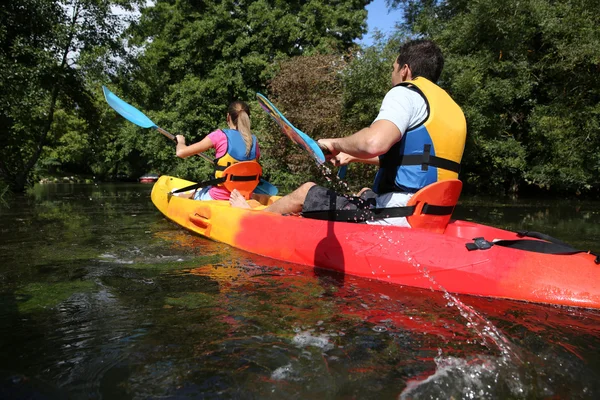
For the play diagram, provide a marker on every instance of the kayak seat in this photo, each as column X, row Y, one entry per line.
column 430, row 208
column 261, row 201
column 243, row 176
column 434, row 205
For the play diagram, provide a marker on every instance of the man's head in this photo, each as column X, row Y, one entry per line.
column 418, row 58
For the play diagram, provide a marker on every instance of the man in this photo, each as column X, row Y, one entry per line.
column 417, row 139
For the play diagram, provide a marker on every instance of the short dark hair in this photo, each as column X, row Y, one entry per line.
column 423, row 57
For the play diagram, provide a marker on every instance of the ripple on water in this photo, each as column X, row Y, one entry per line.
column 305, row 339
column 479, row 377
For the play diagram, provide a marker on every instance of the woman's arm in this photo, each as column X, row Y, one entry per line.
column 184, row 151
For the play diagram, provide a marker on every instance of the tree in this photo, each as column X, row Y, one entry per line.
column 527, row 80
column 309, row 91
column 47, row 48
column 328, row 96
column 193, row 58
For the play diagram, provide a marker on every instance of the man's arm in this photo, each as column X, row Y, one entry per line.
column 367, row 143
column 345, row 159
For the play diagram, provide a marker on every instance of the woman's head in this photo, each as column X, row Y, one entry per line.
column 239, row 115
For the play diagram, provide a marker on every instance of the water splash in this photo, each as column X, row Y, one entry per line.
column 480, row 377
column 307, row 338
column 475, row 321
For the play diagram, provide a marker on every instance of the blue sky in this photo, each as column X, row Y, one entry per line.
column 379, row 18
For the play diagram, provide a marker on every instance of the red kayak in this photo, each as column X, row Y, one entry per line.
column 440, row 257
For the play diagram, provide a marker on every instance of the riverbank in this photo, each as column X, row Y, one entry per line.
column 66, row 179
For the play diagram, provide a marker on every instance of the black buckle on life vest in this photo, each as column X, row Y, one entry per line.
column 479, row 243
column 426, row 157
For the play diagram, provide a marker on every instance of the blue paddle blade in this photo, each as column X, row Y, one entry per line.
column 128, row 112
column 265, row 187
column 296, row 135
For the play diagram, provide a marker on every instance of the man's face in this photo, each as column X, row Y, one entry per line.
column 396, row 75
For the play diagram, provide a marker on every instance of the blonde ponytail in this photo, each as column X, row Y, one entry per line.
column 240, row 116
column 243, row 126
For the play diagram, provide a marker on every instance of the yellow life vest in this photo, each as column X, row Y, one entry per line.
column 236, row 152
column 429, row 152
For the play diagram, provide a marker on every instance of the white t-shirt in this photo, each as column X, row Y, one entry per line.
column 405, row 108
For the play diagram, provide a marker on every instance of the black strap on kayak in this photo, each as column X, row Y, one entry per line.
column 369, row 214
column 546, row 245
column 360, row 215
column 199, row 185
column 479, row 243
column 437, row 210
column 216, row 181
column 542, row 236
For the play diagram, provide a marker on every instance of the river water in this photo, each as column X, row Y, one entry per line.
column 101, row 297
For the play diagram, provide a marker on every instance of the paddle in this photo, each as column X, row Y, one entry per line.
column 134, row 115
column 295, row 134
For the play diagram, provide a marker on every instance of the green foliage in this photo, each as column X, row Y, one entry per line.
column 194, row 58
column 527, row 80
column 68, row 142
column 49, row 52
column 25, row 34
column 366, row 81
column 308, row 90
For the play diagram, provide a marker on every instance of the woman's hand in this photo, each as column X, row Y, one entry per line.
column 180, row 139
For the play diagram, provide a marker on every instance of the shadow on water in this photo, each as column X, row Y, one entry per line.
column 101, row 297
column 329, row 252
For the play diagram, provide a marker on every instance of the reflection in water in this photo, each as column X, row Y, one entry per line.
column 101, row 297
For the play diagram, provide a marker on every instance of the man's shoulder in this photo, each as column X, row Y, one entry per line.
column 403, row 94
column 403, row 90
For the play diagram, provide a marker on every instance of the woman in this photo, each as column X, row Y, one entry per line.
column 231, row 146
